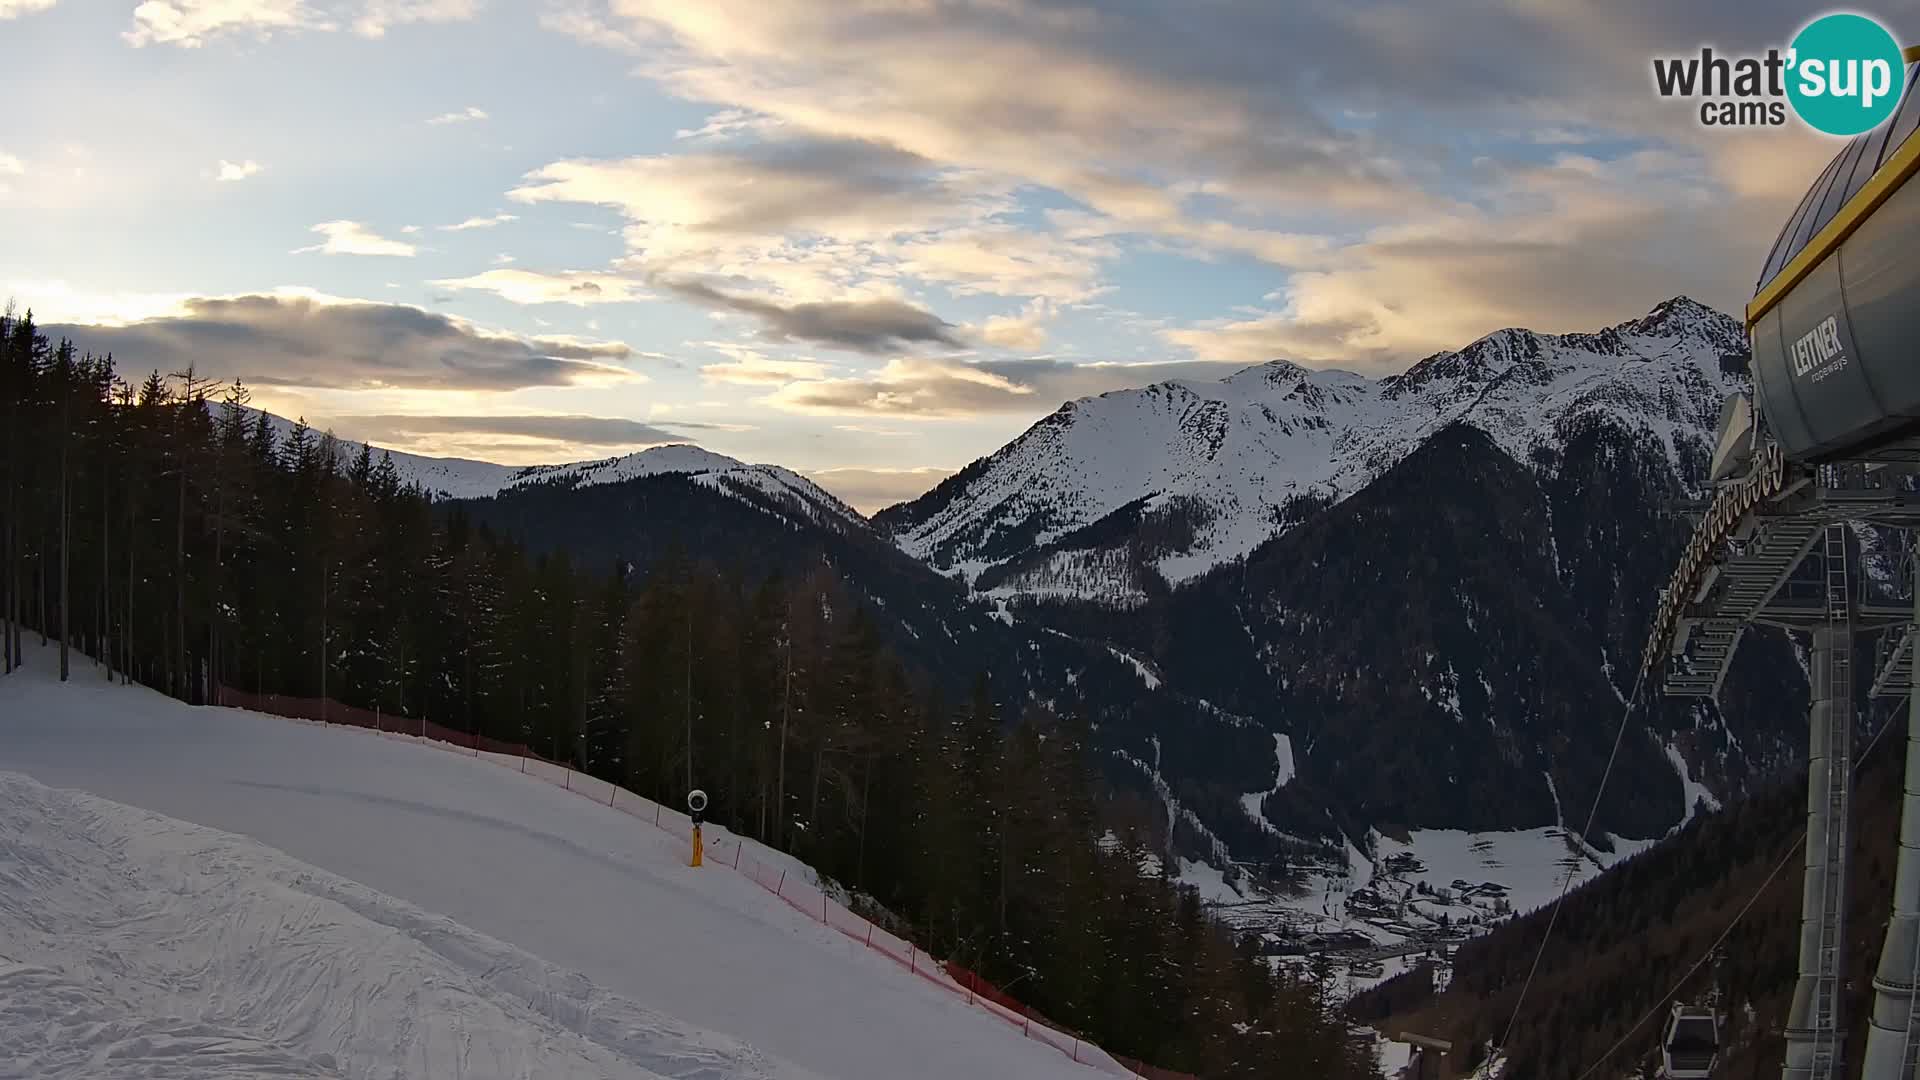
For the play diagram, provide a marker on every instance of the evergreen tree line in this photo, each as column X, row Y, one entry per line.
column 167, row 534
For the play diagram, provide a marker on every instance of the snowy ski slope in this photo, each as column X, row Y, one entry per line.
column 606, row 903
column 139, row 945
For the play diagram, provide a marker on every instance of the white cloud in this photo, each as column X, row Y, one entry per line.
column 12, row 9
column 378, row 15
column 12, row 166
column 232, row 171
column 750, row 369
column 480, row 222
column 1172, row 124
column 353, row 238
column 192, row 23
column 577, row 287
column 460, row 116
column 1573, row 245
column 909, row 386
column 727, row 123
column 1114, row 107
column 1025, row 332
column 1005, row 260
column 805, row 188
column 797, row 219
column 503, row 259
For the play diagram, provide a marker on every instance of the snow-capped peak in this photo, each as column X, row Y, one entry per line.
column 1272, row 373
column 1227, row 457
column 653, row 461
column 717, row 471
column 461, row 478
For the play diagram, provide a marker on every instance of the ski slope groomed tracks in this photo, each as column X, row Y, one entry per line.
column 137, row 945
column 452, row 919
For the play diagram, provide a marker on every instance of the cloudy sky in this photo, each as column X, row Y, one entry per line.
column 869, row 239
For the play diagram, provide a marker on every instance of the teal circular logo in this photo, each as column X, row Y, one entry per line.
column 1844, row 74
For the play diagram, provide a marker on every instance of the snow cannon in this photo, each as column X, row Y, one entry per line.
column 1835, row 318
column 696, row 806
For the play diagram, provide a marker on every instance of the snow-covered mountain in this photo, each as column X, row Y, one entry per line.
column 767, row 483
column 1421, row 585
column 1425, row 584
column 1203, row 472
column 463, row 478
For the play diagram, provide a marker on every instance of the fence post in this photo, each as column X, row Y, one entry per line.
column 656, row 815
column 376, row 719
column 912, row 957
column 869, row 935
column 737, row 845
column 566, row 780
column 1076, row 1051
column 782, row 885
column 973, row 978
column 824, row 917
column 1027, row 1028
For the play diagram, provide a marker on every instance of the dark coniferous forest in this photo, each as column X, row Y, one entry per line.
column 155, row 530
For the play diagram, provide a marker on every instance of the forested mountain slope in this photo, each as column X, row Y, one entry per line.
column 1623, row 941
column 180, row 539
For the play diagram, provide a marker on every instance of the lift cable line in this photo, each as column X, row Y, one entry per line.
column 1781, row 864
column 1566, row 884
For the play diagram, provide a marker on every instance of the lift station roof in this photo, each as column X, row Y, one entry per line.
column 1835, row 318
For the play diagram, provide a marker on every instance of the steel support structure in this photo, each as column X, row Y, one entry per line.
column 1891, row 1043
column 1814, row 1031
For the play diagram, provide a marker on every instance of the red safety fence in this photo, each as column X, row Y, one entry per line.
column 722, row 849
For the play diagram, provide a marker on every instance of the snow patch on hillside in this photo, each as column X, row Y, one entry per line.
column 1209, row 881
column 1694, row 792
column 1283, row 774
column 1139, row 668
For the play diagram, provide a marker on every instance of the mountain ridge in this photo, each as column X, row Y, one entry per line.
column 468, row 478
column 1214, row 575
column 1239, row 449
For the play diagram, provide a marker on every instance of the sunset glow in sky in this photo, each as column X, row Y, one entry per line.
column 867, row 239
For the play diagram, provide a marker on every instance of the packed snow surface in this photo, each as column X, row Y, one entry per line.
column 512, row 869
column 142, row 946
column 1693, row 791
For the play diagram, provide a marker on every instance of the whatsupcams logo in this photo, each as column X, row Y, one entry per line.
column 1842, row 75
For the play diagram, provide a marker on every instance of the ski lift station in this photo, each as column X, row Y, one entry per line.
column 1829, row 441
